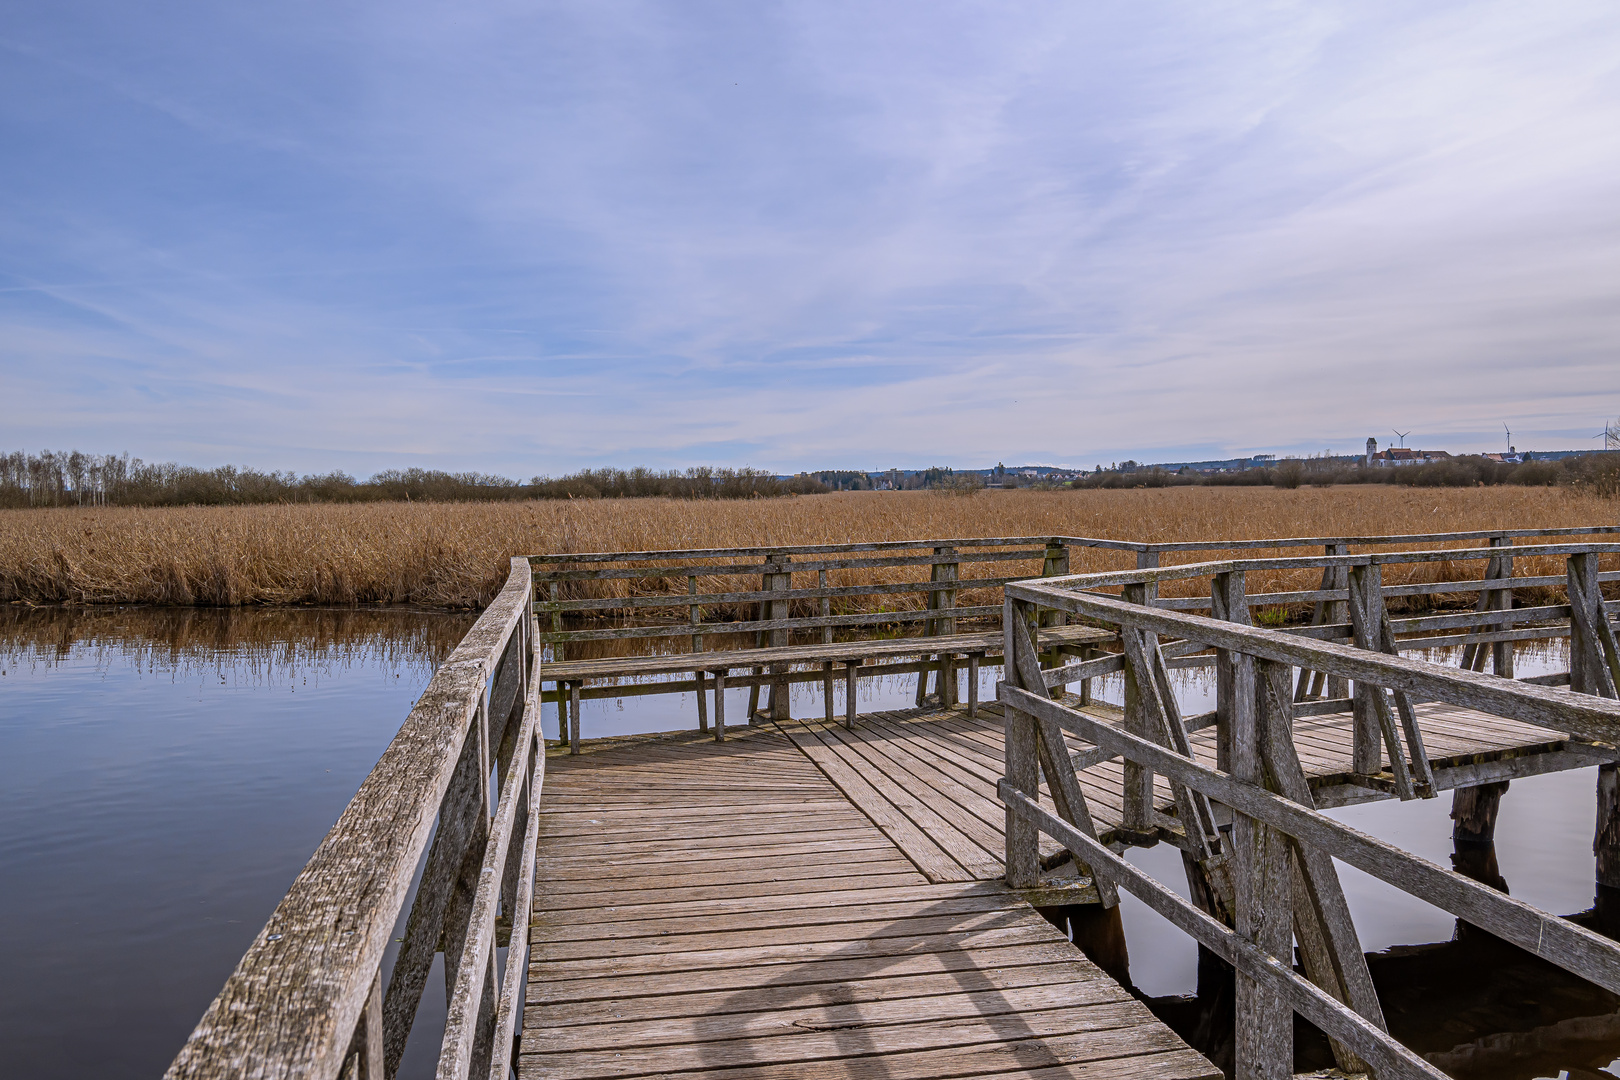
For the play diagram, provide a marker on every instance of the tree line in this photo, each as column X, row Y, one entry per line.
column 72, row 478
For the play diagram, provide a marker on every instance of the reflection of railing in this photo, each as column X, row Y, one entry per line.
column 1258, row 853
column 308, row 999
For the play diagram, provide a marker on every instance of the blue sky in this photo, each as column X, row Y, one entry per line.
column 531, row 237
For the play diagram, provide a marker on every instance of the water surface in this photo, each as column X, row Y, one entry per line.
column 164, row 775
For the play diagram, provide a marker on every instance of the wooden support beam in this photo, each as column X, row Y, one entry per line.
column 1570, row 946
column 1021, row 762
column 1262, row 867
column 1053, row 753
column 1328, row 943
column 1594, row 660
column 1136, row 824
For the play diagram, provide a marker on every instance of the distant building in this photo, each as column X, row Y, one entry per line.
column 1400, row 455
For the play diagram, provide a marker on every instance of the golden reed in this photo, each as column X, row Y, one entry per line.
column 454, row 555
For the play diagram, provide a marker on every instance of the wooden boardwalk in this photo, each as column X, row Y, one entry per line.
column 927, row 778
column 724, row 909
column 809, row 901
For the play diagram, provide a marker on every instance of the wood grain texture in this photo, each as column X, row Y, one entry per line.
column 782, row 957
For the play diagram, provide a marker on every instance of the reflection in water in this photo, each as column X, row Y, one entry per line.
column 164, row 774
column 256, row 643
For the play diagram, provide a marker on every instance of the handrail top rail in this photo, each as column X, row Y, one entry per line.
column 1353, row 541
column 1592, row 718
column 1061, row 540
column 294, row 998
column 812, row 549
column 1182, row 571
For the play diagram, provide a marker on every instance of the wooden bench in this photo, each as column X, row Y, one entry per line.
column 753, row 592
column 710, row 670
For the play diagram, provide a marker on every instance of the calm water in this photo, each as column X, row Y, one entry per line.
column 164, row 776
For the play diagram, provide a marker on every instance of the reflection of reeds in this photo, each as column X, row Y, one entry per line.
column 454, row 555
column 267, row 641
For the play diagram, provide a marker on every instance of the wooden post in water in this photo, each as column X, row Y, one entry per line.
column 1474, row 810
column 1606, row 846
column 1594, row 668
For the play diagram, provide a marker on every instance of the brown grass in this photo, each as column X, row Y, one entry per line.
column 455, row 554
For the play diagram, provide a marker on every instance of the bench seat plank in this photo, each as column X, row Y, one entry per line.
column 839, row 651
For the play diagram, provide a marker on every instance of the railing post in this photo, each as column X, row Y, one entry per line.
column 1229, row 604
column 1502, row 600
column 1265, row 1019
column 1594, row 666
column 695, row 612
column 1136, row 824
column 1055, row 564
column 1022, row 763
column 781, row 581
column 1329, row 613
column 945, row 601
column 1366, row 755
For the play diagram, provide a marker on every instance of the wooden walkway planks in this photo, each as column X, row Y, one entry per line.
column 741, row 918
column 927, row 777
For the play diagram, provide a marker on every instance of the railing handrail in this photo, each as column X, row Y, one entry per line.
column 294, row 1001
column 1262, row 871
column 1068, row 541
column 1592, row 718
column 1182, row 571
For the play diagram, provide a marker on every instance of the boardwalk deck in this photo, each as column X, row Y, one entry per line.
column 927, row 777
column 724, row 909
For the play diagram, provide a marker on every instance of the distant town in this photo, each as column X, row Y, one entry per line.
column 1012, row 476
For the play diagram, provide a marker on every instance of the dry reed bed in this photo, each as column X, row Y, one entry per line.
column 454, row 555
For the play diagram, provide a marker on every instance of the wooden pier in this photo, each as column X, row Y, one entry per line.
column 879, row 895
column 725, row 910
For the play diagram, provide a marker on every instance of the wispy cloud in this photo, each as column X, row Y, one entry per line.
column 529, row 237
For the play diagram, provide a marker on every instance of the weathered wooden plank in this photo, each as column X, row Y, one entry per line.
column 932, row 860
column 680, row 663
column 292, row 1005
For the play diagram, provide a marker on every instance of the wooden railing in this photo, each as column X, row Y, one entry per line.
column 772, row 603
column 1251, row 836
column 309, row 998
column 653, row 572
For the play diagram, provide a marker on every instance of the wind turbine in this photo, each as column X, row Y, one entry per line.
column 1509, row 436
column 1402, row 435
